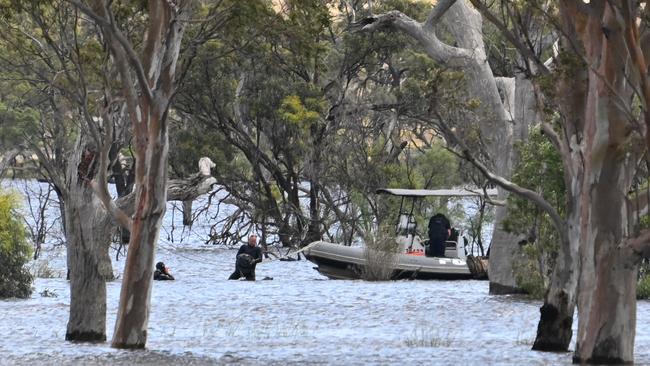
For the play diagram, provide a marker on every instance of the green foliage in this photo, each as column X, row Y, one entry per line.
column 291, row 91
column 643, row 288
column 437, row 167
column 643, row 284
column 302, row 114
column 188, row 145
column 15, row 251
column 528, row 275
column 16, row 122
column 539, row 169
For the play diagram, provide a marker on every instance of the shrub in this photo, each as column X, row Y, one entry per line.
column 380, row 254
column 643, row 288
column 530, row 278
column 423, row 337
column 15, row 251
column 42, row 269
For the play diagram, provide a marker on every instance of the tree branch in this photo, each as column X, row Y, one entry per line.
column 175, row 32
column 506, row 85
column 507, row 185
column 437, row 12
column 436, row 49
column 516, row 41
column 100, row 184
column 109, row 26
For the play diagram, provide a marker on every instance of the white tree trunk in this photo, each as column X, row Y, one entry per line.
column 505, row 251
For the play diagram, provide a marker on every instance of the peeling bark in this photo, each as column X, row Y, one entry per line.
column 602, row 171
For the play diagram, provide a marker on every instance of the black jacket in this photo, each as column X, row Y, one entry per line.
column 255, row 252
column 439, row 227
column 162, row 276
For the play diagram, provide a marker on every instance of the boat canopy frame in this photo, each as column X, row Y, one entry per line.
column 410, row 224
column 453, row 192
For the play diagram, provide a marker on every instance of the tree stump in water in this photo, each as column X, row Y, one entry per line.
column 478, row 266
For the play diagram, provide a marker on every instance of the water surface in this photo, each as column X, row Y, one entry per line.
column 297, row 318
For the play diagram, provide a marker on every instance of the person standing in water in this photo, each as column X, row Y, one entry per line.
column 247, row 258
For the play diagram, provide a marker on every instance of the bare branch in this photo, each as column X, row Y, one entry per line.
column 53, row 172
column 100, row 183
column 435, row 48
column 177, row 190
column 553, row 137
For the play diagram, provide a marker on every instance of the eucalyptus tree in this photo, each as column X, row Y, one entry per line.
column 612, row 137
column 503, row 118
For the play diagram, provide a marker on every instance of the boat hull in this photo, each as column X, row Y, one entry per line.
column 343, row 262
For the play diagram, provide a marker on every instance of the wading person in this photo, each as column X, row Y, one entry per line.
column 162, row 273
column 247, row 258
column 439, row 230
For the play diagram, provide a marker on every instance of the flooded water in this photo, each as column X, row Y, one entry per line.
column 297, row 318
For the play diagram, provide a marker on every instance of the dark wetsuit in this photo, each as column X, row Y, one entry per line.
column 246, row 271
column 162, row 276
column 438, row 233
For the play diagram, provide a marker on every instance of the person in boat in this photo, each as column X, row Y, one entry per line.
column 439, row 231
column 247, row 258
column 162, row 273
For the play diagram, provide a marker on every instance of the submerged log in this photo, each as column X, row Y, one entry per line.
column 185, row 189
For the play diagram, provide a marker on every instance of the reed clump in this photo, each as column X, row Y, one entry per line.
column 380, row 255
